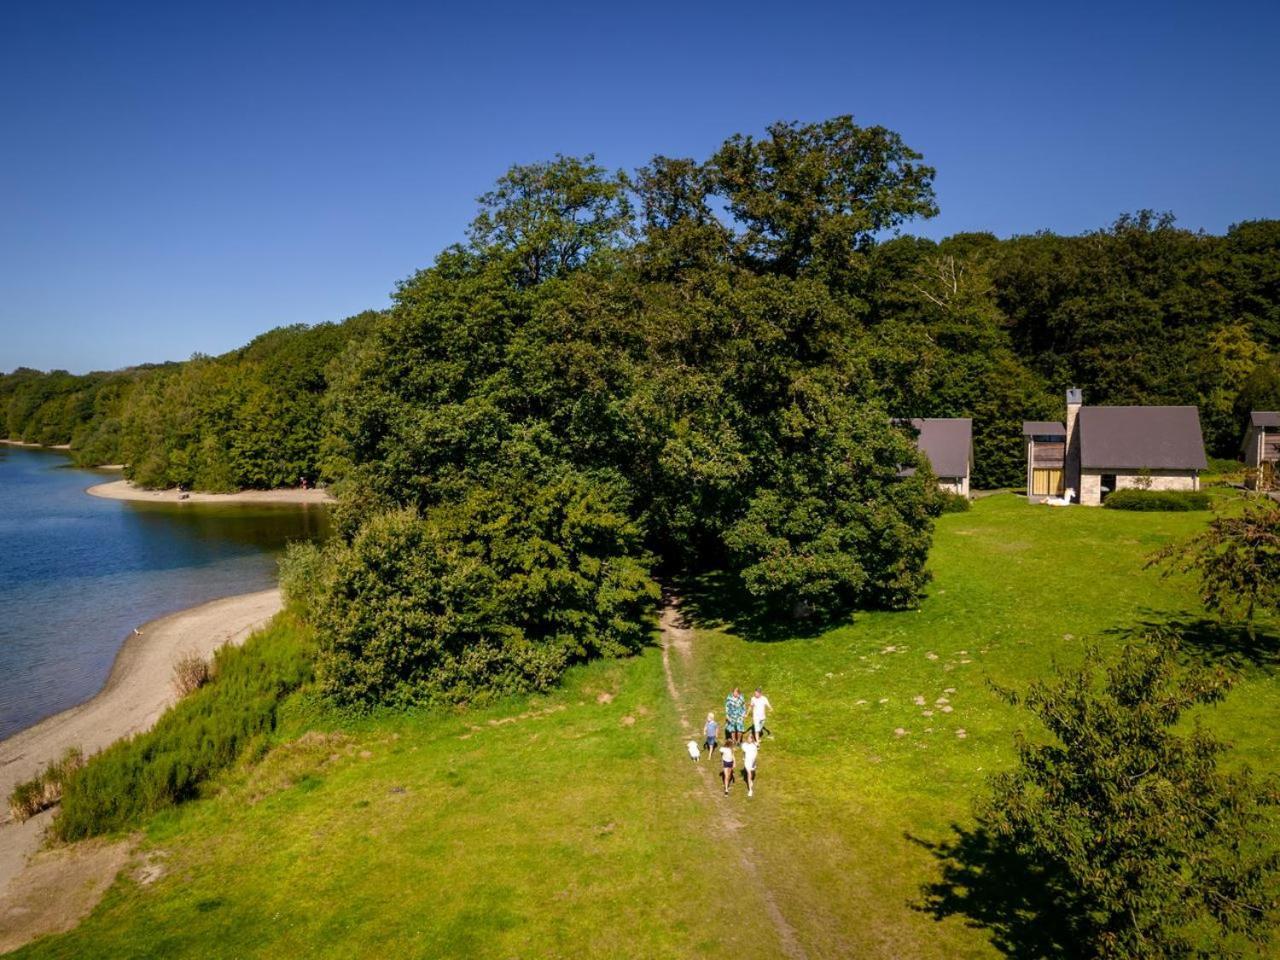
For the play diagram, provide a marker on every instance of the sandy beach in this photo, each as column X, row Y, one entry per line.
column 137, row 691
column 37, row 446
column 124, row 490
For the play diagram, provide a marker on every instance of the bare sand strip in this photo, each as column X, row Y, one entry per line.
column 125, row 490
column 37, row 446
column 137, row 691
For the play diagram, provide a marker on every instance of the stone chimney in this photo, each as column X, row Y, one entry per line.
column 1071, row 469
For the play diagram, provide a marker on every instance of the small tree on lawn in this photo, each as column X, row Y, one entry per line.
column 1151, row 850
column 1237, row 559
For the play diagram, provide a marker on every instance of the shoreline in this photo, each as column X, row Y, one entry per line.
column 125, row 490
column 137, row 691
column 64, row 447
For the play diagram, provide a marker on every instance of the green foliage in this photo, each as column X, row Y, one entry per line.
column 953, row 502
column 496, row 594
column 550, row 218
column 1237, row 561
column 838, row 526
column 44, row 789
column 1158, row 500
column 200, row 735
column 1148, row 848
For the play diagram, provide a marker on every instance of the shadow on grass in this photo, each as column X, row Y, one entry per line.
column 987, row 882
column 1208, row 642
column 712, row 600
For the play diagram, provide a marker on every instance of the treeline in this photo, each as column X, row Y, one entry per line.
column 251, row 418
column 692, row 366
column 1138, row 312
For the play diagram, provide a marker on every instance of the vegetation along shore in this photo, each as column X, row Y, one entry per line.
column 999, row 726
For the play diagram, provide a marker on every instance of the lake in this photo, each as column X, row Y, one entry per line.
column 78, row 573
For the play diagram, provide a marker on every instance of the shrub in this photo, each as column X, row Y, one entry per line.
column 1225, row 469
column 301, row 570
column 492, row 596
column 1171, row 501
column 1237, row 559
column 190, row 673
column 1146, row 847
column 45, row 789
column 193, row 740
column 954, row 502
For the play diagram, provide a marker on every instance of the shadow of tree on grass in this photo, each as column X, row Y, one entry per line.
column 713, row 600
column 1206, row 641
column 983, row 879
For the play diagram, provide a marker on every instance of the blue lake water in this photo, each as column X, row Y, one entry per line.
column 78, row 573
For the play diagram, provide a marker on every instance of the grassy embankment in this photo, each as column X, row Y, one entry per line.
column 573, row 824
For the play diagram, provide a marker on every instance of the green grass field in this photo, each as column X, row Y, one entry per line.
column 574, row 824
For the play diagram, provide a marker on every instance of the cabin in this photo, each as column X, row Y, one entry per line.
column 947, row 442
column 1098, row 450
column 1261, row 449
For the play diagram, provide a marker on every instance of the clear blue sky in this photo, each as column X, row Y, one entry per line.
column 179, row 177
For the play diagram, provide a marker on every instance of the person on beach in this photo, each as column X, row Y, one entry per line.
column 709, row 732
column 735, row 712
column 760, row 706
column 726, row 764
column 749, row 750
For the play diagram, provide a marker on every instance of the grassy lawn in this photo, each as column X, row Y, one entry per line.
column 574, row 825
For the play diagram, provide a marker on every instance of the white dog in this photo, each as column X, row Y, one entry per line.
column 694, row 753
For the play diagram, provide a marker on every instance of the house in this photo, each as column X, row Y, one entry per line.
column 1261, row 450
column 1098, row 450
column 948, row 444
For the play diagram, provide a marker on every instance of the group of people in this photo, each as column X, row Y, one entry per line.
column 737, row 735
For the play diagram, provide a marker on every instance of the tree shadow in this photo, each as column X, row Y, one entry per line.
column 982, row 878
column 1207, row 642
column 718, row 599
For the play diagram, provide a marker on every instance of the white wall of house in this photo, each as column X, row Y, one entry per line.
column 956, row 485
column 1091, row 482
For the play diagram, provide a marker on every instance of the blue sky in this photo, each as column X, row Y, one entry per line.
column 178, row 177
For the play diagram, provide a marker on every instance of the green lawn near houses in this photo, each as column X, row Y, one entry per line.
column 574, row 824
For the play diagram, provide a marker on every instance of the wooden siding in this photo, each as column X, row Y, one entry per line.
column 1271, row 446
column 1048, row 455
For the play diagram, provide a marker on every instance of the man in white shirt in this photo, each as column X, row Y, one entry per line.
column 760, row 706
column 749, row 750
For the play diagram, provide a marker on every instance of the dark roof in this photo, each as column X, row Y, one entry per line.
column 1153, row 438
column 1043, row 428
column 1265, row 418
column 948, row 443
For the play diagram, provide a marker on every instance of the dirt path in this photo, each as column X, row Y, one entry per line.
column 677, row 636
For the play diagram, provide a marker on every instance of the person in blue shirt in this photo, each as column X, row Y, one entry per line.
column 710, row 734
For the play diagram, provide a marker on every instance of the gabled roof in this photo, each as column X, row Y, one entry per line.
column 1265, row 418
column 1137, row 438
column 947, row 442
column 1043, row 428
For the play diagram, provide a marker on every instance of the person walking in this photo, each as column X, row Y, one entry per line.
column 735, row 713
column 709, row 734
column 749, row 750
column 726, row 764
column 760, row 706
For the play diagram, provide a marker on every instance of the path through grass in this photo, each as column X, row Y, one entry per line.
column 574, row 825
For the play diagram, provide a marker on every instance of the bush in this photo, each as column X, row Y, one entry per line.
column 45, row 789
column 192, row 741
column 190, row 673
column 954, row 502
column 1146, row 847
column 495, row 595
column 1171, row 501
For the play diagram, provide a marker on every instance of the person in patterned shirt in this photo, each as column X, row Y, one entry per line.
column 735, row 713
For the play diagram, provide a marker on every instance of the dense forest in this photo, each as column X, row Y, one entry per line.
column 251, row 418
column 693, row 366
